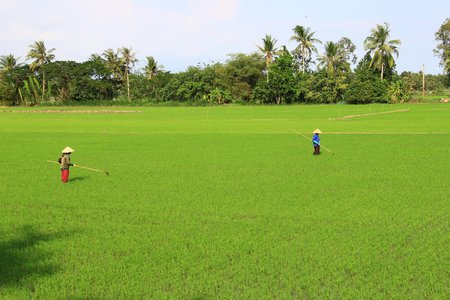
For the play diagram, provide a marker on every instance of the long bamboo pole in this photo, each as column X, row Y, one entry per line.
column 82, row 167
column 310, row 140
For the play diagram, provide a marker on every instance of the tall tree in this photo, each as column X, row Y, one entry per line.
column 333, row 60
column 40, row 56
column 305, row 39
column 9, row 69
column 269, row 50
column 8, row 63
column 151, row 68
column 112, row 62
column 442, row 49
column 128, row 59
column 381, row 48
column 348, row 49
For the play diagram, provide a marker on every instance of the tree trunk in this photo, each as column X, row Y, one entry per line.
column 43, row 85
column 382, row 70
column 303, row 60
column 128, row 86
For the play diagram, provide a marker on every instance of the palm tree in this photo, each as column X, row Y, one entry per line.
column 8, row 71
column 151, row 68
column 40, row 56
column 304, row 37
column 269, row 50
column 334, row 59
column 128, row 60
column 8, row 65
column 112, row 62
column 382, row 48
column 331, row 58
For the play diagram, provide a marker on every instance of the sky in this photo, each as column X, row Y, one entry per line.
column 181, row 33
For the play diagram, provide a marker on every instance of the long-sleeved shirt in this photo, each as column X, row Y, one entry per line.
column 65, row 162
column 316, row 140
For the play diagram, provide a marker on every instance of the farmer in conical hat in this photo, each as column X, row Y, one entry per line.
column 64, row 161
column 316, row 141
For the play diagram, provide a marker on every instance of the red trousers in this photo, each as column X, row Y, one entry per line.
column 65, row 175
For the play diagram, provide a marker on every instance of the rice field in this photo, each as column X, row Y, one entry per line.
column 226, row 203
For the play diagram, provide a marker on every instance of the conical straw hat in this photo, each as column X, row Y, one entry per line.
column 317, row 131
column 67, row 150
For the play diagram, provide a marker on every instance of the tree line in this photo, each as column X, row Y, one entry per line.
column 272, row 74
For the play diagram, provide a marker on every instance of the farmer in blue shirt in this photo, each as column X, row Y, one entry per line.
column 316, row 141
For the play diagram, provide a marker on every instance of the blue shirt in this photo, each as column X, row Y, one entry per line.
column 316, row 140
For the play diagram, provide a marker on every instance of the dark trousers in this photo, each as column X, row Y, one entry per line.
column 316, row 150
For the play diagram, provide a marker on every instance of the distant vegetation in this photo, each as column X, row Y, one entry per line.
column 273, row 75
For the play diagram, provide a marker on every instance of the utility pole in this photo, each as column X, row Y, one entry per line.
column 423, row 81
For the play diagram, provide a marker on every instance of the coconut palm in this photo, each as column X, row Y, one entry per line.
column 151, row 68
column 8, row 63
column 128, row 60
column 8, row 72
column 334, row 59
column 40, row 56
column 381, row 48
column 113, row 63
column 330, row 59
column 269, row 50
column 305, row 39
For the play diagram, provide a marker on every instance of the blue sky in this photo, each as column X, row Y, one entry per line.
column 179, row 33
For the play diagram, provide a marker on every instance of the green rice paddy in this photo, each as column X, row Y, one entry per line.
column 226, row 202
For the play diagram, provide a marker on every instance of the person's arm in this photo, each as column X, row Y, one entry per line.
column 316, row 140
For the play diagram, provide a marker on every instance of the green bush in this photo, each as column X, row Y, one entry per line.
column 366, row 87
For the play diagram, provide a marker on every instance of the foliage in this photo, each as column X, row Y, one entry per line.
column 86, row 81
column 193, row 84
column 381, row 48
column 242, row 78
column 240, row 75
column 151, row 68
column 414, row 81
column 322, row 87
column 398, row 92
column 219, row 96
column 334, row 60
column 128, row 59
column 31, row 93
column 40, row 56
column 306, row 40
column 442, row 49
column 11, row 75
column 269, row 51
column 365, row 86
column 348, row 50
column 281, row 87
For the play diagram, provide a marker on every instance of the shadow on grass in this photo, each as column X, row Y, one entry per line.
column 21, row 257
column 78, row 178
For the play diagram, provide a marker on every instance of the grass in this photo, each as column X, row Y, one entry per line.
column 226, row 202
